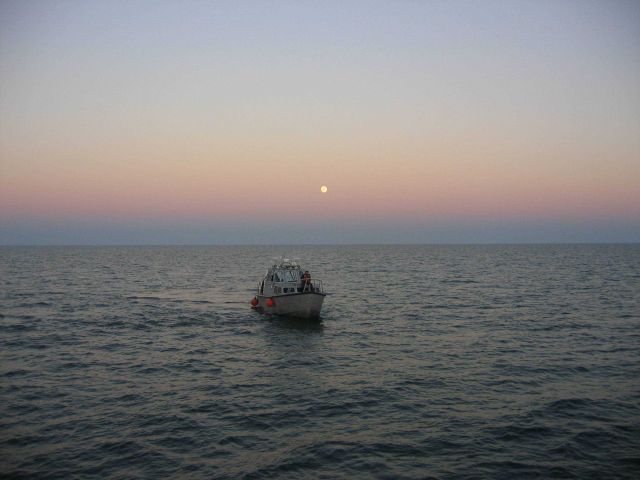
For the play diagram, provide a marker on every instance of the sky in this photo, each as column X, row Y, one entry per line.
column 202, row 122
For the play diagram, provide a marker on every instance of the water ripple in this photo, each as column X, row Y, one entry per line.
column 469, row 362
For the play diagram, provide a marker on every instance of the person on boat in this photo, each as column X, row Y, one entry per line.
column 306, row 281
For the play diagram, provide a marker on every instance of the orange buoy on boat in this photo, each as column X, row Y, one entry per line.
column 270, row 302
column 254, row 301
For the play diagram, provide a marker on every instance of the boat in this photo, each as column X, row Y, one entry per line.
column 288, row 290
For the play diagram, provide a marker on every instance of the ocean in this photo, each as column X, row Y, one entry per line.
column 433, row 361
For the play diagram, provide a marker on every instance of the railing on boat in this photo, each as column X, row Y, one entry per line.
column 295, row 287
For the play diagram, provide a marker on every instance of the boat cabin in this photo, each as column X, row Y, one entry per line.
column 287, row 277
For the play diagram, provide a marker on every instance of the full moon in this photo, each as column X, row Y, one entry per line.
column 323, row 189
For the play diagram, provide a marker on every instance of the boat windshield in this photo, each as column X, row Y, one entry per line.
column 288, row 276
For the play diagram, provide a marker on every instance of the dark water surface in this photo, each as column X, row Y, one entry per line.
column 430, row 361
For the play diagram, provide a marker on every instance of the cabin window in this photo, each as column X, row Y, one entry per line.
column 290, row 276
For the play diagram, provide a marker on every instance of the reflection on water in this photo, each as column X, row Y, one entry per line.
column 278, row 323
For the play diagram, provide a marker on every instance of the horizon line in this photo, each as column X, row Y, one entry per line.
column 389, row 244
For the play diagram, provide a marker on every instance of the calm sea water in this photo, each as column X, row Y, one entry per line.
column 430, row 361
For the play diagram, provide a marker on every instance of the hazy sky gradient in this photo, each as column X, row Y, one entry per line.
column 217, row 122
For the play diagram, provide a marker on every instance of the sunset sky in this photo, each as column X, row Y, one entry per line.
column 150, row 122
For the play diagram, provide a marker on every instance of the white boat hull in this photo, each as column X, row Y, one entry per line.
column 299, row 305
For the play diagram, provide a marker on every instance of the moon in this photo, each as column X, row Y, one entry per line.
column 323, row 189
